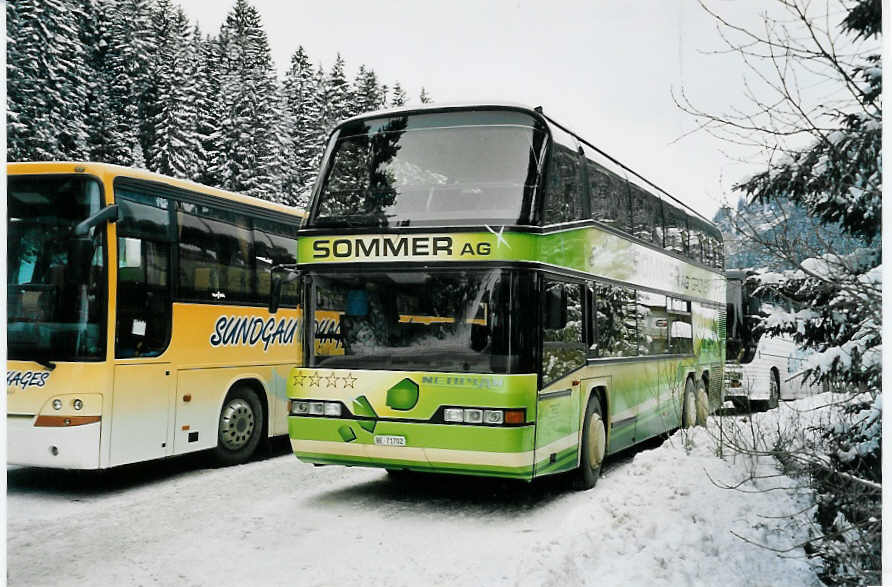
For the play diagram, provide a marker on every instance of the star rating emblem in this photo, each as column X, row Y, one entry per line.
column 349, row 380
column 297, row 380
column 313, row 380
column 331, row 380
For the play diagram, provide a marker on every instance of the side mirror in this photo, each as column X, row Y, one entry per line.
column 107, row 214
column 280, row 275
column 80, row 255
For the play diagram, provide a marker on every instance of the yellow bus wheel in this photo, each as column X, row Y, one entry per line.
column 593, row 447
column 239, row 427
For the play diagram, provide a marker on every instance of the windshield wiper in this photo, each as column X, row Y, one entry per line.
column 44, row 363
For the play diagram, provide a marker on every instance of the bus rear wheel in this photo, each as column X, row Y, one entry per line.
column 239, row 427
column 594, row 446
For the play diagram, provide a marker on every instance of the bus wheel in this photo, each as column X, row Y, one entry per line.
column 701, row 403
column 773, row 390
column 689, row 408
column 240, row 426
column 594, row 446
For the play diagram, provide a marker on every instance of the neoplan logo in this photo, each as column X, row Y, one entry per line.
column 415, row 246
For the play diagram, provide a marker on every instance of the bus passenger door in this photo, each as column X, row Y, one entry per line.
column 563, row 356
column 140, row 427
column 145, row 382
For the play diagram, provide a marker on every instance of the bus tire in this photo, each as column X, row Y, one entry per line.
column 701, row 400
column 239, row 427
column 593, row 447
column 773, row 390
column 689, row 405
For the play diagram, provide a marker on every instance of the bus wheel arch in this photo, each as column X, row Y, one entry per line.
column 242, row 422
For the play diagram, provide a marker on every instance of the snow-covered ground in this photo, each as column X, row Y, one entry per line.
column 658, row 516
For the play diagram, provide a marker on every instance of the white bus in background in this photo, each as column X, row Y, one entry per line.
column 759, row 370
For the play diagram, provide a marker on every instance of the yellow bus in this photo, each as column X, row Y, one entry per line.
column 137, row 317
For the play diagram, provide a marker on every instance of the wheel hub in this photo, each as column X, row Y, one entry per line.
column 597, row 441
column 236, row 424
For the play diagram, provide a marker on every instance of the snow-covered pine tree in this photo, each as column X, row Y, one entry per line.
column 368, row 94
column 337, row 96
column 303, row 114
column 169, row 133
column 210, row 109
column 824, row 154
column 398, row 95
column 45, row 81
column 123, row 73
column 250, row 161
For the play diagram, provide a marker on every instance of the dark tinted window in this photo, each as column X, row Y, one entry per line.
column 216, row 255
column 458, row 167
column 274, row 244
column 451, row 321
column 653, row 324
column 647, row 216
column 144, row 291
column 681, row 335
column 563, row 195
column 563, row 342
column 615, row 316
column 609, row 199
column 676, row 223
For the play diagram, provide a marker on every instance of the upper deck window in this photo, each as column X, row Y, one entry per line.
column 463, row 167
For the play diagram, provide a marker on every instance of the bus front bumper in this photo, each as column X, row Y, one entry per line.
column 67, row 447
column 491, row 451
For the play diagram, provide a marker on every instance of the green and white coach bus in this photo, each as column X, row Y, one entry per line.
column 493, row 295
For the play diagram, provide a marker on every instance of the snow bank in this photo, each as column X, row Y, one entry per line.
column 660, row 516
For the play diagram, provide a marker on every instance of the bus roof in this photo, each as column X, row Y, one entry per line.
column 109, row 170
column 533, row 111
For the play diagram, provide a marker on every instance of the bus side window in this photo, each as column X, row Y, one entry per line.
column 563, row 342
column 144, row 306
column 681, row 335
column 653, row 323
column 274, row 244
column 616, row 322
column 563, row 197
column 676, row 229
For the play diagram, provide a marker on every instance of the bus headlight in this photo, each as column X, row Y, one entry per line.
column 78, row 404
column 299, row 408
column 317, row 408
column 493, row 416
column 332, row 409
column 453, row 415
column 474, row 416
column 57, row 404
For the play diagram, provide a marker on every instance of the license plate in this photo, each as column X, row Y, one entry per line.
column 390, row 440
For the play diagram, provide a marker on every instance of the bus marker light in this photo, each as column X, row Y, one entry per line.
column 78, row 404
column 453, row 415
column 474, row 416
column 513, row 416
column 317, row 408
column 332, row 409
column 493, row 416
column 57, row 404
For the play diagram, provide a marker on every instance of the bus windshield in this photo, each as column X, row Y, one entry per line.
column 428, row 169
column 53, row 312
column 451, row 321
